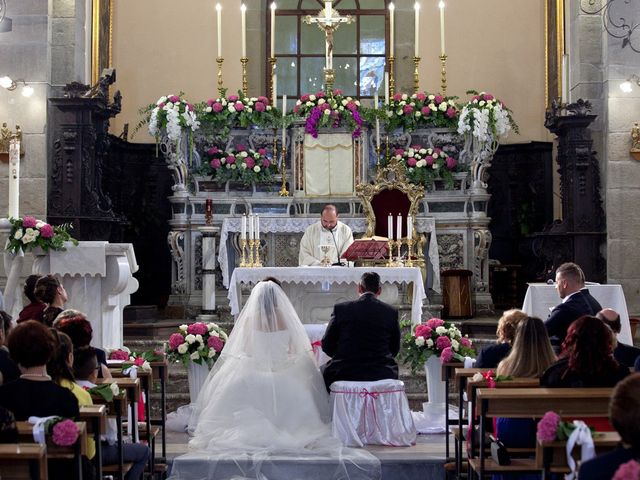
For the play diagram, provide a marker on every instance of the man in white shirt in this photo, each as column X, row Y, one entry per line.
column 328, row 231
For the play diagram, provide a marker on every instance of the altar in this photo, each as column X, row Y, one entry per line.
column 314, row 291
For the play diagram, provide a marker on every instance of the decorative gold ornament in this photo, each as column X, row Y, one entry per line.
column 283, row 169
column 221, row 89
column 245, row 83
column 443, row 75
column 392, row 77
column 416, row 75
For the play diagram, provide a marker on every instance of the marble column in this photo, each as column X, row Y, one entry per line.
column 208, row 272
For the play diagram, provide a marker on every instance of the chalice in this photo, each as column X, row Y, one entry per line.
column 326, row 261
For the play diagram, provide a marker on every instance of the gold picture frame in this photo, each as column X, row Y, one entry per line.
column 101, row 37
column 554, row 48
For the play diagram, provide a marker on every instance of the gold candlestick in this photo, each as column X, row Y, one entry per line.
column 416, row 75
column 443, row 75
column 398, row 245
column 392, row 79
column 378, row 156
column 221, row 89
column 409, row 242
column 243, row 248
column 386, row 153
column 250, row 263
column 329, row 79
column 390, row 250
column 283, row 170
column 256, row 247
column 272, row 63
column 245, row 83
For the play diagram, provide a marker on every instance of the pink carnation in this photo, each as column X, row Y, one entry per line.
column 397, row 97
column 265, row 162
column 161, row 105
column 423, row 330
column 238, row 106
column 451, row 163
column 174, row 98
column 426, row 111
column 118, row 355
column 213, row 151
column 304, row 98
column 435, row 323
column 231, row 159
column 337, row 91
column 65, row 433
column 296, row 108
column 407, row 109
column 197, row 328
column 216, row 343
column 488, row 96
column 465, row 342
column 138, row 362
column 451, row 112
column 263, row 99
column 475, row 97
column 262, row 152
column 399, row 151
column 429, row 160
column 411, row 162
column 175, row 340
column 548, row 426
column 320, row 94
column 446, row 355
column 29, row 222
column 259, row 106
column 250, row 162
column 215, row 163
column 628, row 471
column 210, row 102
column 233, row 98
column 438, row 99
column 189, row 107
column 443, row 342
column 421, row 96
column 217, row 107
column 46, row 231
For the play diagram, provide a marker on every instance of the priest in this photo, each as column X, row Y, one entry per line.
column 329, row 231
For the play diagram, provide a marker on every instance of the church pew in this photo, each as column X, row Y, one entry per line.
column 448, row 373
column 95, row 416
column 23, row 461
column 132, row 387
column 533, row 403
column 115, row 408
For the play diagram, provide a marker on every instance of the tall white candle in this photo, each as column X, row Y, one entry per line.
column 256, row 227
column 219, row 22
column 409, row 227
column 565, row 79
column 386, row 88
column 273, row 29
column 274, row 100
column 441, row 7
column 284, row 112
column 398, row 227
column 390, row 227
column 375, row 106
column 392, row 9
column 14, row 178
column 250, row 222
column 243, row 23
column 416, row 8
column 243, row 228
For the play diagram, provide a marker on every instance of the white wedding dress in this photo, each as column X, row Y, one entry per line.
column 263, row 412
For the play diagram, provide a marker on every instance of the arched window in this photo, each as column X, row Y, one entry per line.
column 359, row 48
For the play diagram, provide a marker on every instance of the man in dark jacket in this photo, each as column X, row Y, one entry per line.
column 363, row 337
column 576, row 302
column 625, row 354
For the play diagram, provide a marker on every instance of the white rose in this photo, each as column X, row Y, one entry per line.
column 213, row 333
column 183, row 328
column 435, row 166
column 244, row 154
column 190, row 338
column 299, row 102
column 402, row 103
column 455, row 345
column 404, row 96
column 441, row 330
column 208, row 109
column 212, row 353
column 194, row 356
column 327, row 112
column 182, row 348
column 411, row 152
column 40, row 224
column 224, row 336
column 434, row 155
column 27, row 239
column 18, row 235
column 321, row 101
column 418, row 113
column 357, row 102
column 420, row 341
column 477, row 377
column 146, row 366
column 256, row 169
column 312, row 98
column 421, row 163
column 231, row 108
column 429, row 343
column 162, row 99
column 212, row 325
column 233, row 167
column 114, row 389
column 423, row 151
column 168, row 106
column 243, row 166
column 433, row 107
column 482, row 103
column 199, row 338
column 431, row 97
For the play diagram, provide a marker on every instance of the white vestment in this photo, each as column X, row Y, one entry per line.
column 316, row 235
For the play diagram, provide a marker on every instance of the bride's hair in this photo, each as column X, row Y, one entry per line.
column 272, row 279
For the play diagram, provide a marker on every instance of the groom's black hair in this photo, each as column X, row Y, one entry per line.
column 370, row 282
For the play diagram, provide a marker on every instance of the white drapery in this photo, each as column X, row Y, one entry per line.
column 328, row 165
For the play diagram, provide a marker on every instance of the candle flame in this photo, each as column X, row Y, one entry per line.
column 392, row 6
column 416, row 6
column 441, row 4
column 243, row 7
column 218, row 7
column 273, row 5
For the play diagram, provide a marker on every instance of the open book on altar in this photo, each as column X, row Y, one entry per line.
column 374, row 248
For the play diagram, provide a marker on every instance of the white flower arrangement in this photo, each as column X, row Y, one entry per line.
column 173, row 114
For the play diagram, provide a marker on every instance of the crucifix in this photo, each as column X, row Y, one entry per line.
column 328, row 20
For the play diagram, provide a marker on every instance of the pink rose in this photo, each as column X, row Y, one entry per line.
column 174, row 98
column 426, row 111
column 138, row 362
column 399, row 151
column 259, row 106
column 215, row 163
column 238, row 106
column 337, row 91
column 65, row 433
column 628, row 471
column 263, row 99
column 265, row 163
column 198, row 328
column 451, row 112
column 46, row 231
column 304, row 98
column 262, row 152
column 213, row 151
column 241, row 147
column 429, row 160
column 231, row 159
column 465, row 342
column 438, row 99
column 548, row 426
column 175, row 340
column 295, row 109
column 161, row 105
column 250, row 162
column 488, row 96
column 443, row 342
column 397, row 97
column 423, row 330
column 421, row 96
column 233, row 98
column 217, row 107
column 29, row 222
column 446, row 355
column 210, row 102
column 435, row 323
column 407, row 109
column 451, row 163
column 475, row 97
column 118, row 355
column 326, row 106
column 352, row 106
column 189, row 107
column 320, row 95
column 411, row 162
column 216, row 343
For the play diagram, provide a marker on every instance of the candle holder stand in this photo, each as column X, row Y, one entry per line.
column 377, row 155
column 399, row 259
column 443, row 74
column 329, row 79
column 392, row 78
column 283, row 169
column 249, row 244
column 409, row 242
column 256, row 248
column 390, row 250
column 416, row 74
column 243, row 248
column 221, row 89
column 245, row 83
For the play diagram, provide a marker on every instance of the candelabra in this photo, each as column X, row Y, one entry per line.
column 283, row 168
column 243, row 248
column 409, row 242
column 245, row 83
column 443, row 74
column 378, row 155
column 398, row 245
column 392, row 78
column 390, row 250
column 416, row 75
column 272, row 64
column 329, row 79
column 255, row 246
column 221, row 89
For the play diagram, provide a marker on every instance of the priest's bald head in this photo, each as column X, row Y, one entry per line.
column 329, row 216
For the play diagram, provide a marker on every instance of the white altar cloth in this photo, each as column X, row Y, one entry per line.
column 541, row 298
column 333, row 275
column 293, row 225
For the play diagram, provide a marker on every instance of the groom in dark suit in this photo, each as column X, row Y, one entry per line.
column 576, row 302
column 363, row 337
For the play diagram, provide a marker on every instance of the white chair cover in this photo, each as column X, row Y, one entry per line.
column 372, row 413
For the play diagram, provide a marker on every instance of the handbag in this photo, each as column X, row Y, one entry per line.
column 499, row 452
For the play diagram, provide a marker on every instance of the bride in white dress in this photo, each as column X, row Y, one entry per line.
column 265, row 398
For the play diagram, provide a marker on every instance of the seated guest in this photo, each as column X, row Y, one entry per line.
column 85, row 367
column 625, row 354
column 491, row 355
column 328, row 231
column 624, row 413
column 576, row 302
column 8, row 428
column 586, row 359
column 9, row 370
column 363, row 337
column 50, row 291
column 34, row 310
column 76, row 325
column 34, row 394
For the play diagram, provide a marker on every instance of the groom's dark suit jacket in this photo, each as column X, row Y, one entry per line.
column 579, row 304
column 362, row 339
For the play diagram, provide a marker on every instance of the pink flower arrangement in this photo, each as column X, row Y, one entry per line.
column 28, row 233
column 64, row 433
column 216, row 343
column 175, row 340
column 331, row 111
column 548, row 426
column 421, row 110
column 119, row 355
column 197, row 328
column 46, row 231
column 29, row 222
column 424, row 165
column 628, row 471
column 199, row 342
column 242, row 164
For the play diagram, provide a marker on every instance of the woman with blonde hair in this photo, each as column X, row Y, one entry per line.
column 531, row 353
column 490, row 356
